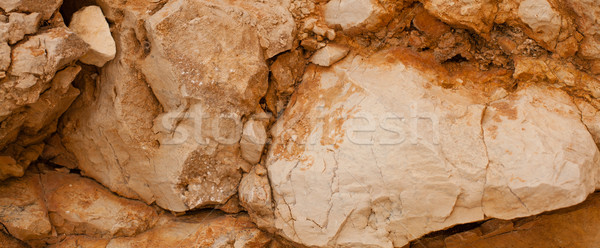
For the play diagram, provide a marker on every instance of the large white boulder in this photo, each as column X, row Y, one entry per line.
column 373, row 153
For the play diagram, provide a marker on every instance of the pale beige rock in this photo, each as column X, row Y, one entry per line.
column 89, row 24
column 543, row 20
column 356, row 15
column 352, row 164
column 45, row 7
column 255, row 196
column 22, row 24
column 477, row 15
column 22, row 208
column 329, row 55
column 346, row 170
column 254, row 138
column 275, row 25
column 78, row 205
column 541, row 155
column 206, row 229
column 170, row 132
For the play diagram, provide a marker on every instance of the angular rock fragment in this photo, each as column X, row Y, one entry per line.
column 474, row 14
column 356, row 15
column 255, row 196
column 20, row 24
column 22, row 208
column 200, row 230
column 254, row 138
column 78, row 205
column 328, row 55
column 89, row 24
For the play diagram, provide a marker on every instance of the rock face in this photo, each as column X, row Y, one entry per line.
column 89, row 24
column 35, row 87
column 299, row 123
column 201, row 230
column 22, row 208
column 181, row 147
column 419, row 163
column 78, row 205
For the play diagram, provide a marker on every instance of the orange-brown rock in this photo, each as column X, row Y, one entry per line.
column 78, row 205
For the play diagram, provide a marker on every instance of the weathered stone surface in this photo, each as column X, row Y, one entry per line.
column 328, row 55
column 8, row 241
column 539, row 152
column 348, row 150
column 20, row 24
column 356, row 15
column 201, row 230
column 477, row 15
column 22, row 208
column 170, row 131
column 4, row 56
column 45, row 7
column 80, row 241
column 89, row 24
column 78, row 205
column 255, row 196
column 541, row 18
column 274, row 23
column 254, row 138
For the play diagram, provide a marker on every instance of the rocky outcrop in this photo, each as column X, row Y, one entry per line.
column 35, row 80
column 181, row 148
column 424, row 162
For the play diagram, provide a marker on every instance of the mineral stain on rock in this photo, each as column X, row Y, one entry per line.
column 299, row 123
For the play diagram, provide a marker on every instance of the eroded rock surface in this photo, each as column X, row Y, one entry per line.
column 352, row 157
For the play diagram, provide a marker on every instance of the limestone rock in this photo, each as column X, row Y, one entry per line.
column 78, row 205
column 45, row 7
column 255, row 196
column 275, row 25
column 562, row 158
column 477, row 15
column 543, row 20
column 356, row 15
column 22, row 208
column 254, row 138
column 199, row 230
column 353, row 164
column 328, row 55
column 20, row 24
column 171, row 133
column 89, row 24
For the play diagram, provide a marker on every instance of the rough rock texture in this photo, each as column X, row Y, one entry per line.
column 299, row 123
column 36, row 90
column 181, row 147
column 78, row 205
column 22, row 208
column 328, row 55
column 89, row 24
column 420, row 163
column 571, row 227
column 200, row 230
